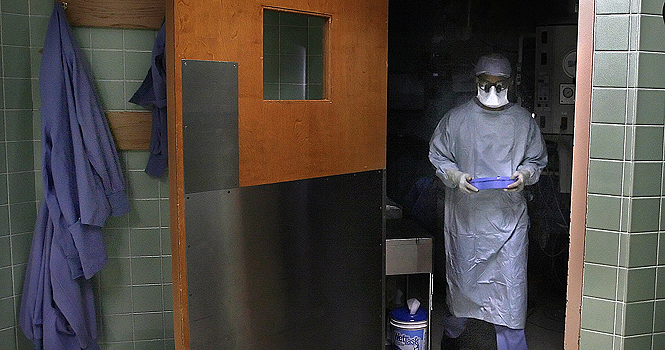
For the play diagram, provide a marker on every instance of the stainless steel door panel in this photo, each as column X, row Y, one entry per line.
column 210, row 125
column 295, row 265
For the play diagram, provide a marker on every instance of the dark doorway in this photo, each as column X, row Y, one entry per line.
column 433, row 46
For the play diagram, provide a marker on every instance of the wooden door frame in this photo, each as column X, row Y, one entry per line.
column 585, row 35
column 176, row 192
column 578, row 195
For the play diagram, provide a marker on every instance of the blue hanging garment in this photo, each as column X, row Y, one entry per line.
column 83, row 186
column 152, row 94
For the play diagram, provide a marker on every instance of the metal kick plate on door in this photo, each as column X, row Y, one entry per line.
column 210, row 125
column 289, row 265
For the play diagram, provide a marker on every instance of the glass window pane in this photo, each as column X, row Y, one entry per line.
column 293, row 55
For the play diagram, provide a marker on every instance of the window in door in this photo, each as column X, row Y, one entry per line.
column 294, row 55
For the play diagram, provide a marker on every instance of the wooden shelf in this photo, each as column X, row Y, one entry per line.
column 138, row 14
column 131, row 130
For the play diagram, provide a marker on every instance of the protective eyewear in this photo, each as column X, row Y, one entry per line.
column 486, row 85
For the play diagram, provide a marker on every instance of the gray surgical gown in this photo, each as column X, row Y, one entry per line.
column 486, row 232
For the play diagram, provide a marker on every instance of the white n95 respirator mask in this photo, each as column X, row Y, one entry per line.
column 492, row 98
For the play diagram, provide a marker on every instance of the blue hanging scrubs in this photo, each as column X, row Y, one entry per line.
column 152, row 94
column 83, row 185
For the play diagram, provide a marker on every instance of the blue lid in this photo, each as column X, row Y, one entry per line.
column 483, row 183
column 402, row 314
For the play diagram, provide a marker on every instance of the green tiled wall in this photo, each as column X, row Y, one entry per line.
column 17, row 167
column 624, row 276
column 134, row 291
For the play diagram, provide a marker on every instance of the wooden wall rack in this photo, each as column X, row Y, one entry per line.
column 131, row 130
column 137, row 14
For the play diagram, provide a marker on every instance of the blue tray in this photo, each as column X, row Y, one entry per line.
column 484, row 183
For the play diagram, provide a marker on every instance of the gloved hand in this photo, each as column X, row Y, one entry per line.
column 517, row 186
column 461, row 179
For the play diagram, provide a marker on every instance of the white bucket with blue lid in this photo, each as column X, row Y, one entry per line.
column 409, row 331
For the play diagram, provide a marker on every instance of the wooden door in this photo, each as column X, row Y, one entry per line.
column 286, row 140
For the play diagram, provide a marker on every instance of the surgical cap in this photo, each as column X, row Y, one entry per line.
column 493, row 65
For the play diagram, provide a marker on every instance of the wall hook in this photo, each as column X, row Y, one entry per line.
column 64, row 5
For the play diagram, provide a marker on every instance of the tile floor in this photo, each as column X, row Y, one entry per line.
column 544, row 329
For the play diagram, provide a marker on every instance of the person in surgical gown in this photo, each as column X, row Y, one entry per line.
column 486, row 230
